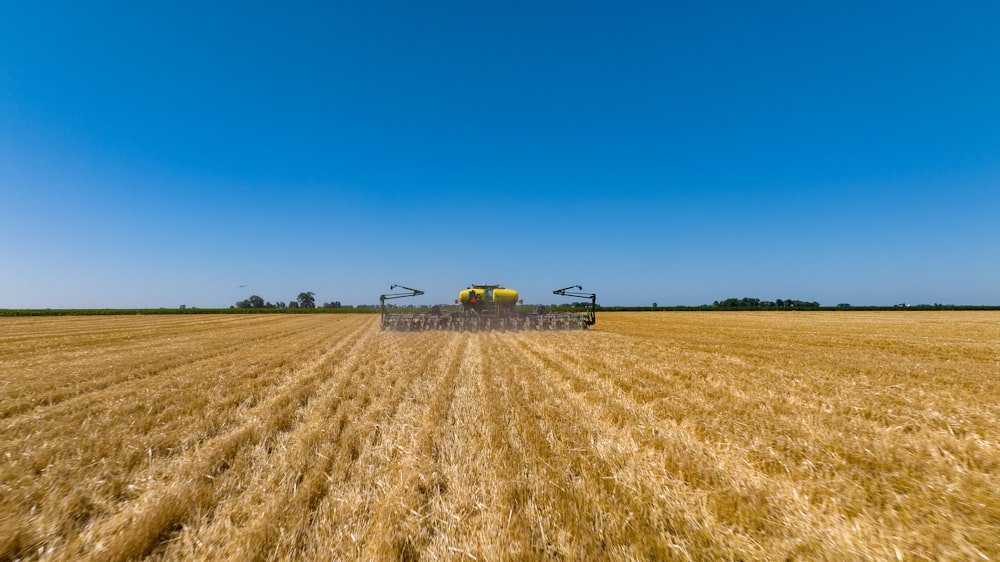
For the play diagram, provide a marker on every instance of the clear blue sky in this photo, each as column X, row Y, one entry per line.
column 159, row 154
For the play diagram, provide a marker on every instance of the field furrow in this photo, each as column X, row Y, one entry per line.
column 86, row 368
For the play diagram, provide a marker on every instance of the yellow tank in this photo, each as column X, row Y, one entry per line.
column 498, row 295
column 504, row 296
column 464, row 295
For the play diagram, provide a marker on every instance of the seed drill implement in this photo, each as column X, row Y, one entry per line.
column 485, row 308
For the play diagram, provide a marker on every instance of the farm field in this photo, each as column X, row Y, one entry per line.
column 654, row 436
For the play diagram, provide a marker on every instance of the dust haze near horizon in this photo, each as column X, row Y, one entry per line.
column 154, row 156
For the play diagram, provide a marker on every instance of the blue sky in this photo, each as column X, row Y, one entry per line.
column 672, row 152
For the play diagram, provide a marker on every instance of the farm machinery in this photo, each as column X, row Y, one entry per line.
column 485, row 308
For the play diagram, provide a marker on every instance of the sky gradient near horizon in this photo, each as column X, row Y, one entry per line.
column 153, row 155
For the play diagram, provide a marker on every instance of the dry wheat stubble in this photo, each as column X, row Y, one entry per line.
column 659, row 435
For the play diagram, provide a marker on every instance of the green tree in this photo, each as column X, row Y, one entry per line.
column 307, row 300
column 253, row 302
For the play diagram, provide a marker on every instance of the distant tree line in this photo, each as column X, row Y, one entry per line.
column 305, row 299
column 749, row 302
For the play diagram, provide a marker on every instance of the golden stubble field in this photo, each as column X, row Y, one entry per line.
column 655, row 436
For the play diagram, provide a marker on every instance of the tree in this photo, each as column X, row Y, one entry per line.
column 307, row 300
column 253, row 302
